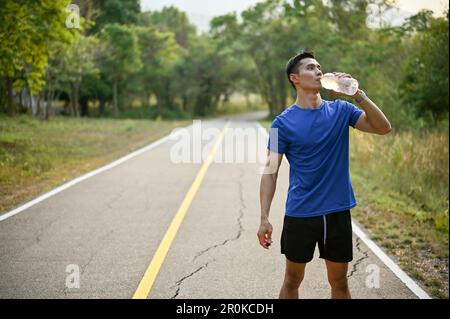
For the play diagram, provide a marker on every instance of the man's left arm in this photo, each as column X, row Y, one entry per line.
column 372, row 120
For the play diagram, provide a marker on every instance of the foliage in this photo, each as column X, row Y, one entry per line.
column 425, row 79
column 158, row 59
column 28, row 30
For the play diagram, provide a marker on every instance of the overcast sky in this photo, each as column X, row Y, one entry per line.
column 201, row 11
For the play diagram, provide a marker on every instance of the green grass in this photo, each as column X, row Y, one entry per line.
column 401, row 185
column 238, row 103
column 36, row 156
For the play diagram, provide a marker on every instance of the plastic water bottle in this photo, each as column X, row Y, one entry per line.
column 347, row 86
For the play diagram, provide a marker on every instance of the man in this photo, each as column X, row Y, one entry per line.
column 314, row 136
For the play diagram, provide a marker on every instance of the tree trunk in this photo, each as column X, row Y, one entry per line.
column 21, row 106
column 48, row 106
column 76, row 92
column 226, row 97
column 184, row 103
column 84, row 106
column 66, row 107
column 11, row 103
column 45, row 109
column 23, row 100
column 247, row 100
column 102, row 106
column 264, row 89
column 33, row 104
column 144, row 101
column 38, row 103
column 168, row 99
column 116, row 107
column 72, row 100
column 158, row 103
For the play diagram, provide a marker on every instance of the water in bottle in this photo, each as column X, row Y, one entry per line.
column 347, row 86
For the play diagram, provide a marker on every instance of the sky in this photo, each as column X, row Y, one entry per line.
column 200, row 12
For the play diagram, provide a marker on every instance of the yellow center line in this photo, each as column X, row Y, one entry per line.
column 147, row 281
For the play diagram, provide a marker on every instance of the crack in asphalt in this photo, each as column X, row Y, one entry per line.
column 91, row 257
column 358, row 261
column 236, row 237
column 179, row 282
column 239, row 221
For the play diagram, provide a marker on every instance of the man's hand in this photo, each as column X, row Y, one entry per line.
column 342, row 75
column 265, row 234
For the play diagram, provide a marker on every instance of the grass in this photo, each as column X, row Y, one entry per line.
column 238, row 103
column 36, row 156
column 401, row 184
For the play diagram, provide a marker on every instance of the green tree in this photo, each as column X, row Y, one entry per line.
column 424, row 85
column 170, row 19
column 114, row 11
column 120, row 56
column 27, row 30
column 160, row 53
column 77, row 62
column 272, row 32
column 238, row 66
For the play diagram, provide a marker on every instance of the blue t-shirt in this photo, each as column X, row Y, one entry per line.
column 316, row 143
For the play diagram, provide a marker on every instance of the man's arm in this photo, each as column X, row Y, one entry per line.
column 372, row 120
column 266, row 193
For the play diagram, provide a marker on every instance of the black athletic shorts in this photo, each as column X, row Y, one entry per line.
column 332, row 232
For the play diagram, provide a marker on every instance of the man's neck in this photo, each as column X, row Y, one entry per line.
column 308, row 100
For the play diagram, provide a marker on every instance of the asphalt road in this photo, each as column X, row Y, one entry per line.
column 110, row 225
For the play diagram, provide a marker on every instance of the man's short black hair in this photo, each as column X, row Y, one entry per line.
column 294, row 63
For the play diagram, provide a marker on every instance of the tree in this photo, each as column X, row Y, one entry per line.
column 78, row 61
column 274, row 31
column 159, row 53
column 425, row 82
column 28, row 29
column 237, row 68
column 121, row 56
column 170, row 19
column 115, row 11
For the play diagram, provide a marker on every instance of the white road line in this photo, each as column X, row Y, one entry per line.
column 408, row 281
column 88, row 175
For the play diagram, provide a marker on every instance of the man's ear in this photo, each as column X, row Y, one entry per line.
column 293, row 77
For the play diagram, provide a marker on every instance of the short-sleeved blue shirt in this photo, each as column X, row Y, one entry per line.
column 316, row 144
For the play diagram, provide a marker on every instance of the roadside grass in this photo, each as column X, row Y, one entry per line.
column 36, row 156
column 401, row 185
column 239, row 103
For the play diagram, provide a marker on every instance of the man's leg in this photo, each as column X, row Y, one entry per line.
column 337, row 277
column 293, row 277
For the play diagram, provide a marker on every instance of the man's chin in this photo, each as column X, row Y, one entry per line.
column 313, row 89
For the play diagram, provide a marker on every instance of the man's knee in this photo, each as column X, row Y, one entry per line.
column 338, row 282
column 292, row 280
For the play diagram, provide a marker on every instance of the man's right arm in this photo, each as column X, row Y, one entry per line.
column 266, row 193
